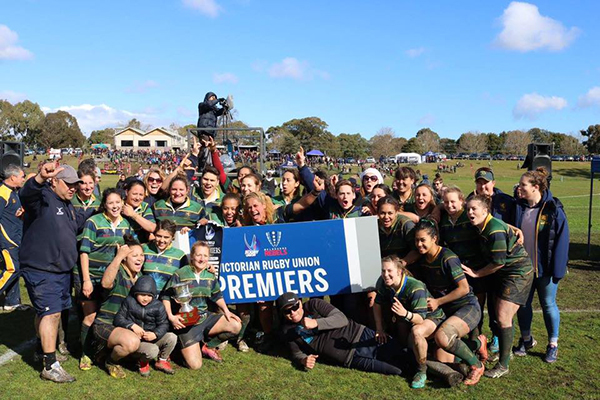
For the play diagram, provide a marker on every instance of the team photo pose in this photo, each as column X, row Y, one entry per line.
column 204, row 287
column 544, row 224
column 118, row 278
column 510, row 269
column 137, row 211
column 179, row 208
column 459, row 235
column 102, row 234
column 404, row 180
column 162, row 259
column 153, row 182
column 440, row 269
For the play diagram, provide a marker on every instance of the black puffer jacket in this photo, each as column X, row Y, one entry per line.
column 208, row 113
column 152, row 318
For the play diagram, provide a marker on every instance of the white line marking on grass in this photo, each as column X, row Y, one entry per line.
column 19, row 349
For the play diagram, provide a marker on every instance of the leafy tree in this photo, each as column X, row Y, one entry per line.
column 27, row 121
column 385, row 143
column 540, row 135
column 570, row 145
column 60, row 130
column 472, row 142
column 448, row 146
column 310, row 132
column 413, row 146
column 592, row 135
column 429, row 140
column 354, row 146
column 495, row 143
column 6, row 118
column 102, row 136
column 288, row 143
column 134, row 123
column 516, row 142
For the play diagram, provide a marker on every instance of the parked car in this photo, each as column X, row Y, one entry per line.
column 370, row 160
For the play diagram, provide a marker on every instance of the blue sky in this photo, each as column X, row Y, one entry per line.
column 360, row 66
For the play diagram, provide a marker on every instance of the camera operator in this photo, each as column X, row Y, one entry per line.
column 208, row 112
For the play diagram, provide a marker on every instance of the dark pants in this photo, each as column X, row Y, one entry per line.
column 9, row 277
column 388, row 358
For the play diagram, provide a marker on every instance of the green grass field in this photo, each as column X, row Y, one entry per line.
column 257, row 376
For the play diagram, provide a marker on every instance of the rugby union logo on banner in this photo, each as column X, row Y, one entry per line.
column 274, row 238
column 251, row 248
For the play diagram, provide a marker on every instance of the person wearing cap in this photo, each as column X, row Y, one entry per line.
column 48, row 254
column 503, row 205
column 318, row 329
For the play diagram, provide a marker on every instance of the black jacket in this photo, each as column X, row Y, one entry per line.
column 50, row 230
column 333, row 338
column 208, row 113
column 152, row 318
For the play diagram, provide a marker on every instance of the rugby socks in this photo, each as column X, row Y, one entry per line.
column 245, row 322
column 49, row 359
column 220, row 338
column 506, row 340
column 460, row 349
column 473, row 344
column 83, row 339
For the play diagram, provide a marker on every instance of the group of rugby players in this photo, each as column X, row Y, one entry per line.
column 444, row 253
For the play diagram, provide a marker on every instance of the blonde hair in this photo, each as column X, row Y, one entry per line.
column 155, row 170
column 264, row 200
column 454, row 189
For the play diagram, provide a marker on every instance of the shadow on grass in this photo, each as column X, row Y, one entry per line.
column 579, row 259
column 573, row 172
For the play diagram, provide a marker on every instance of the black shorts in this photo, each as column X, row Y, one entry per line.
column 513, row 288
column 470, row 313
column 102, row 332
column 479, row 285
column 49, row 292
column 98, row 294
column 191, row 335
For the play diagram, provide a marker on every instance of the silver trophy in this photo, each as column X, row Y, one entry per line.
column 183, row 296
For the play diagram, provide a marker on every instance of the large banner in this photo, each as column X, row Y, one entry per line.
column 310, row 258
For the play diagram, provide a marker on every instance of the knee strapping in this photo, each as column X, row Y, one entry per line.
column 451, row 334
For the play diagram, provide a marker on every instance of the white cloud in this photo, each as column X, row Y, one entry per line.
column 532, row 105
column 293, row 68
column 12, row 97
column 209, row 8
column 92, row 117
column 142, row 87
column 225, row 77
column 9, row 50
column 426, row 120
column 525, row 29
column 413, row 53
column 590, row 99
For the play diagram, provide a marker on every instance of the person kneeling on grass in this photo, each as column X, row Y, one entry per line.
column 316, row 328
column 119, row 277
column 204, row 286
column 145, row 315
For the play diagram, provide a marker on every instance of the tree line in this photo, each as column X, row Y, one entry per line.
column 25, row 121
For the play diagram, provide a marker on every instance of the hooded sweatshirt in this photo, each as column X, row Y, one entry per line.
column 551, row 235
column 151, row 318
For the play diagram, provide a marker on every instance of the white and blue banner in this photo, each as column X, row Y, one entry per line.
column 309, row 258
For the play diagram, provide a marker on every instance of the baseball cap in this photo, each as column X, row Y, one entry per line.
column 68, row 174
column 287, row 300
column 484, row 174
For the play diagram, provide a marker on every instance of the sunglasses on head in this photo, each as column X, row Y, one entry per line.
column 293, row 308
column 159, row 180
column 373, row 178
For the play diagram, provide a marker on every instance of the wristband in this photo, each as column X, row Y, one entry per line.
column 409, row 316
column 315, row 193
